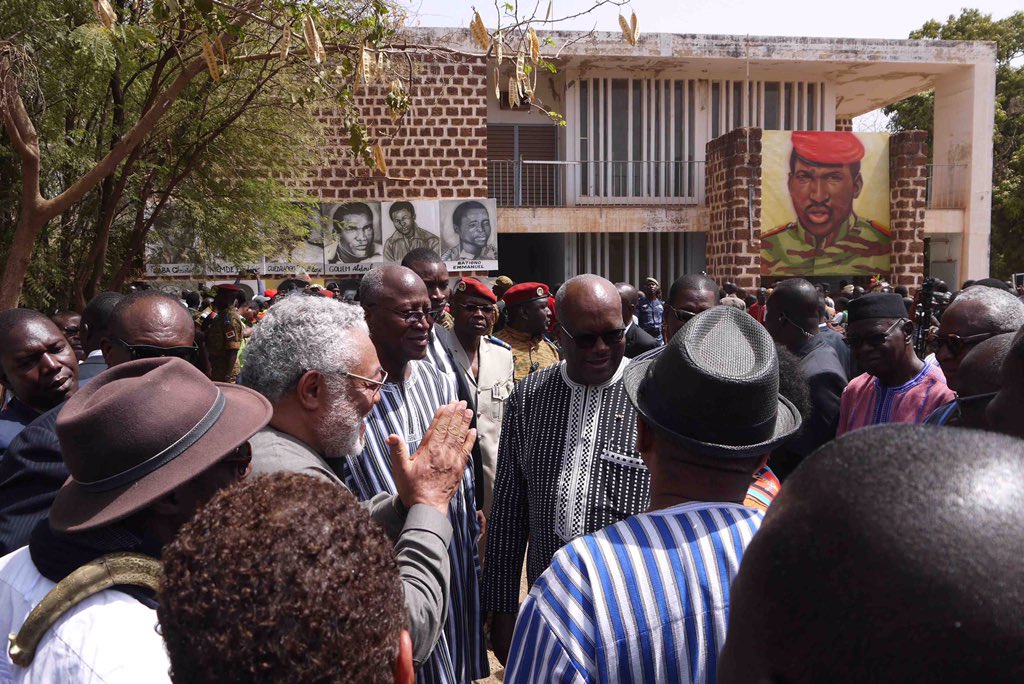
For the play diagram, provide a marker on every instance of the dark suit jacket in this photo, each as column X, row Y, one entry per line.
column 835, row 340
column 31, row 472
column 638, row 341
column 91, row 367
column 826, row 380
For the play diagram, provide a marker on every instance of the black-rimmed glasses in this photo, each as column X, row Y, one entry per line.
column 588, row 340
column 413, row 316
column 876, row 340
column 148, row 351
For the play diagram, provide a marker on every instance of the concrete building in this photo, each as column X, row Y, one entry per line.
column 621, row 188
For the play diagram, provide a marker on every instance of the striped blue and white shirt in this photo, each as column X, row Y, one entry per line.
column 406, row 409
column 643, row 600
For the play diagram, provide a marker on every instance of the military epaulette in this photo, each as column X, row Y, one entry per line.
column 501, row 343
column 884, row 230
column 778, row 230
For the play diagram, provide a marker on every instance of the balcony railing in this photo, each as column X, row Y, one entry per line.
column 527, row 183
column 947, row 186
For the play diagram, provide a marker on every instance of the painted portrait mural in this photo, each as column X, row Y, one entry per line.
column 825, row 203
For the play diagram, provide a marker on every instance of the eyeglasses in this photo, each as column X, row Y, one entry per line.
column 476, row 308
column 682, row 315
column 370, row 383
column 413, row 316
column 976, row 398
column 240, row 458
column 148, row 351
column 588, row 340
column 786, row 319
column 876, row 340
column 955, row 343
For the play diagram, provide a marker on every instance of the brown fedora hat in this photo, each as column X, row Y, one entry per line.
column 714, row 388
column 141, row 429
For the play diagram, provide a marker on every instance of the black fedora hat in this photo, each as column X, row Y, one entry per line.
column 141, row 429
column 714, row 388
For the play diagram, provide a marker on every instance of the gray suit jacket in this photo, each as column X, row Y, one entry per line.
column 487, row 395
column 421, row 537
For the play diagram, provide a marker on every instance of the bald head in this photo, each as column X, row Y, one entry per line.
column 981, row 369
column 630, row 297
column 976, row 312
column 867, row 549
column 397, row 313
column 147, row 317
column 590, row 315
column 792, row 313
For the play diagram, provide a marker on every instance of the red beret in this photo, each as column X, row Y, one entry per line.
column 327, row 293
column 472, row 286
column 270, row 293
column 828, row 147
column 228, row 288
column 525, row 292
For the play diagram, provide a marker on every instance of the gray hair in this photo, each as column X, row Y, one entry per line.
column 300, row 334
column 1003, row 311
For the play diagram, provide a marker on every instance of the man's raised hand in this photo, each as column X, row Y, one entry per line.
column 432, row 475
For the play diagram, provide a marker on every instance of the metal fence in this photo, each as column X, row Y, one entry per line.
column 527, row 183
column 947, row 186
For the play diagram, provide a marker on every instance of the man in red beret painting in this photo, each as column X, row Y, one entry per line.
column 827, row 237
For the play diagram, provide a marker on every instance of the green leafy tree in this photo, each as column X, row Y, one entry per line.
column 195, row 116
column 1007, row 248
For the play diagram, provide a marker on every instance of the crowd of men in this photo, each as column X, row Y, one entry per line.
column 716, row 485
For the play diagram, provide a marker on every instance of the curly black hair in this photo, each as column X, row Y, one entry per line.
column 281, row 578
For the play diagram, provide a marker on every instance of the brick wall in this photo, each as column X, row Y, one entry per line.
column 440, row 151
column 908, row 188
column 733, row 167
column 844, row 125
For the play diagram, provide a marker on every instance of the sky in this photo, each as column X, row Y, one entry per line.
column 864, row 19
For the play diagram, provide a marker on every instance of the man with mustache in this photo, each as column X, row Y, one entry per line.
column 827, row 238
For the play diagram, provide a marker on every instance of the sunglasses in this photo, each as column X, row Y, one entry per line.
column 876, row 340
column 682, row 315
column 588, row 340
column 148, row 351
column 955, row 343
column 476, row 308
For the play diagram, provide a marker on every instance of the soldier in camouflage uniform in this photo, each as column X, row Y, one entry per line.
column 224, row 333
column 827, row 238
column 528, row 314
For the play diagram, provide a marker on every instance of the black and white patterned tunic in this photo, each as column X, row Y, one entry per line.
column 567, row 466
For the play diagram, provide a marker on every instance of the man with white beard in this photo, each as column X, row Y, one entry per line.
column 313, row 359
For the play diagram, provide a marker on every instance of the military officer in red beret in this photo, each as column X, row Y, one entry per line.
column 528, row 314
column 827, row 238
column 485, row 373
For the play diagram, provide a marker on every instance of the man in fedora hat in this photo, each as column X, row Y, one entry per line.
column 146, row 442
column 143, row 324
column 647, row 599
